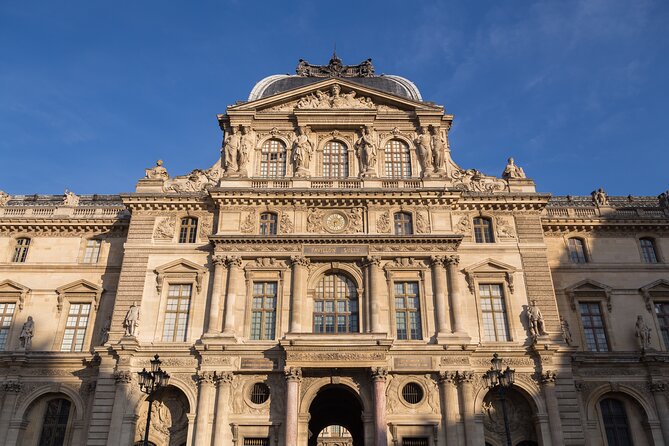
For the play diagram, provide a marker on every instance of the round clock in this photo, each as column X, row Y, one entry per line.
column 335, row 222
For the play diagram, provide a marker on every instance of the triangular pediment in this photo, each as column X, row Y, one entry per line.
column 333, row 94
column 490, row 266
column 80, row 287
column 9, row 286
column 589, row 286
column 659, row 286
column 180, row 269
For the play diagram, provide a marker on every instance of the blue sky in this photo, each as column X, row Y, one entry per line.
column 93, row 92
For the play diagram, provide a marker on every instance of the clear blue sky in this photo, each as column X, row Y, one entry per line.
column 93, row 92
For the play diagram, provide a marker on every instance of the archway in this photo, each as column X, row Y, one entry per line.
column 169, row 423
column 336, row 405
column 521, row 421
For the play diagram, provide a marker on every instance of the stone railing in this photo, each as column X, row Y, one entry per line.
column 61, row 212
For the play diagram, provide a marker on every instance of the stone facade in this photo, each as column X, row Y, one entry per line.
column 334, row 267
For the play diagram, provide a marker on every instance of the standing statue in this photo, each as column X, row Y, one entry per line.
column 302, row 150
column 27, row 333
column 131, row 321
column 512, row 170
column 367, row 149
column 536, row 320
column 566, row 331
column 438, row 146
column 247, row 144
column 599, row 197
column 4, row 198
column 423, row 145
column 643, row 333
column 231, row 150
column 71, row 199
column 158, row 172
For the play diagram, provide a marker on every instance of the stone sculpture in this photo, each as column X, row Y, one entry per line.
column 512, row 170
column 302, row 150
column 247, row 144
column 535, row 320
column 27, row 333
column 4, row 198
column 424, row 147
column 71, row 199
column 642, row 333
column 599, row 197
column 566, row 331
column 131, row 321
column 231, row 149
column 367, row 151
column 158, row 172
column 438, row 146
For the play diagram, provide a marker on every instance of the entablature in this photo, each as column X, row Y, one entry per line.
column 197, row 201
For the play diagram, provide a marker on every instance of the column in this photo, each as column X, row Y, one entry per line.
column 299, row 289
column 235, row 281
column 451, row 406
column 466, row 387
column 659, row 395
column 293, row 378
column 11, row 389
column 440, row 294
column 123, row 380
column 379, row 376
column 457, row 298
column 548, row 380
column 216, row 295
column 222, row 428
column 206, row 381
column 374, row 292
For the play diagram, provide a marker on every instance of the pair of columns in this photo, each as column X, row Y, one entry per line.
column 229, row 268
column 213, row 385
column 446, row 284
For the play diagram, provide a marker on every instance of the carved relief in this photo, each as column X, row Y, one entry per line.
column 405, row 262
column 422, row 223
column 315, row 220
column 285, row 224
column 475, row 181
column 396, row 402
column 205, row 227
column 464, row 225
column 504, row 228
column 249, row 223
column 383, row 223
column 165, row 227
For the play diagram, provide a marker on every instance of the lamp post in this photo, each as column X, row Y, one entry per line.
column 500, row 381
column 150, row 382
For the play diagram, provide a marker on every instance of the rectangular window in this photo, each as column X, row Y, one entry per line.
column 648, row 252
column 407, row 311
column 92, row 251
column 576, row 250
column 6, row 316
column 593, row 327
column 176, row 314
column 21, row 250
column 263, row 313
column 662, row 313
column 493, row 309
column 483, row 230
column 75, row 328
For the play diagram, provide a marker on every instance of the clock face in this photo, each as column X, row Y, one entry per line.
column 335, row 222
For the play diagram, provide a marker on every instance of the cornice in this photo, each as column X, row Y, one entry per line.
column 62, row 226
column 566, row 225
column 452, row 241
column 167, row 202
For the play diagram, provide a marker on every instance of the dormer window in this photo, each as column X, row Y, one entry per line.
column 188, row 230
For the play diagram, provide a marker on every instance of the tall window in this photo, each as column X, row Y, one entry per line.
column 273, row 159
column 615, row 422
column 493, row 309
column 75, row 328
column 335, row 160
column 188, row 230
column 576, row 250
column 6, row 316
column 54, row 426
column 268, row 223
column 662, row 313
column 648, row 251
column 483, row 230
column 407, row 310
column 398, row 161
column 176, row 314
column 593, row 327
column 263, row 314
column 403, row 223
column 92, row 251
column 21, row 250
column 335, row 305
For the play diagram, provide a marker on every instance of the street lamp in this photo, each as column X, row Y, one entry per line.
column 500, row 381
column 149, row 383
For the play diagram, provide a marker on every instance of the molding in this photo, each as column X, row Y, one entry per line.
column 181, row 268
column 79, row 287
column 486, row 269
column 9, row 288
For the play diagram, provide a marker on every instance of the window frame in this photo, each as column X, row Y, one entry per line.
column 278, row 162
column 662, row 330
column 12, row 323
column 390, row 160
column 405, row 309
column 603, row 425
column 69, row 426
column 605, row 325
column 356, row 296
column 346, row 170
column 77, row 328
column 272, row 223
column 410, row 273
column 24, row 249
column 410, row 223
column 505, row 295
column 262, row 311
column 585, row 252
column 79, row 292
column 175, row 323
column 491, row 226
column 653, row 245
column 84, row 249
column 191, row 230
column 273, row 272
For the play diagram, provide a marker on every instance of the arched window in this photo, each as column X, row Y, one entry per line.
column 188, row 230
column 336, row 305
column 403, row 223
column 21, row 250
column 398, row 160
column 335, row 160
column 54, row 426
column 576, row 250
column 615, row 422
column 268, row 223
column 273, row 159
column 483, row 230
column 648, row 251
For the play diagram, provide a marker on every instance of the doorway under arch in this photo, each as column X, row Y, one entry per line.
column 336, row 405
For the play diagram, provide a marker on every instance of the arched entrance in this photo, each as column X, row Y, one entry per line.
column 336, row 405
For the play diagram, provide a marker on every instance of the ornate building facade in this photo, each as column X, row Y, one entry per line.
column 335, row 278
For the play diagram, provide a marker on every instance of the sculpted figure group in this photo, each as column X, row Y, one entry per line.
column 431, row 148
column 236, row 150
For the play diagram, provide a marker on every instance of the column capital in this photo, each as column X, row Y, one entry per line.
column 299, row 261
column 123, row 376
column 12, row 386
column 372, row 261
column 657, row 386
column 293, row 374
column 218, row 260
column 448, row 377
column 548, row 377
column 233, row 261
column 206, row 377
column 438, row 261
column 379, row 373
column 453, row 260
column 465, row 377
column 224, row 378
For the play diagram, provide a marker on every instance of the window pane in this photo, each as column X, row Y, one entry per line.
column 493, row 312
column 335, row 160
column 264, row 310
column 188, row 230
column 336, row 304
column 407, row 310
column 483, row 230
column 177, row 313
column 398, row 160
column 92, row 251
column 273, row 159
column 648, row 250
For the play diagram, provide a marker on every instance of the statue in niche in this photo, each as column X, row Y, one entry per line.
column 231, row 150
column 131, row 321
column 566, row 331
column 367, row 151
column 599, row 197
column 27, row 333
column 247, row 144
column 438, row 147
column 423, row 145
column 512, row 170
column 71, row 199
column 158, row 172
column 302, row 150
column 536, row 320
column 642, row 333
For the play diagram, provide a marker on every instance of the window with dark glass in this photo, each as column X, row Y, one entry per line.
column 176, row 313
column 268, row 223
column 493, row 311
column 188, row 230
column 397, row 159
column 412, row 393
column 273, row 159
column 648, row 251
column 576, row 250
column 263, row 312
column 335, row 160
column 615, row 422
column 662, row 314
column 407, row 311
column 403, row 223
column 336, row 305
column 483, row 230
column 54, row 426
column 6, row 316
column 593, row 327
column 21, row 250
column 75, row 328
column 259, row 393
